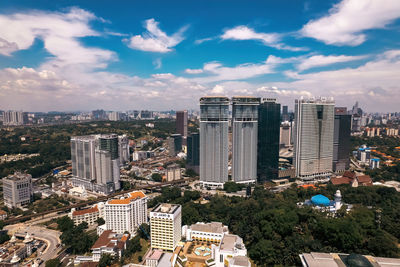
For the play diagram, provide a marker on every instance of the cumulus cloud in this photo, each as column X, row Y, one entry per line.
column 269, row 39
column 194, row 71
column 155, row 40
column 347, row 20
column 321, row 60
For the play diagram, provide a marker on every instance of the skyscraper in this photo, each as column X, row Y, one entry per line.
column 182, row 123
column 14, row 118
column 214, row 119
column 285, row 113
column 123, row 149
column 341, row 140
column 174, row 144
column 95, row 162
column 193, row 152
column 244, row 139
column 313, row 146
column 269, row 113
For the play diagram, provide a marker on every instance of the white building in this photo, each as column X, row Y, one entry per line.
column 14, row 118
column 209, row 232
column 126, row 213
column 17, row 189
column 165, row 226
column 285, row 135
column 139, row 155
column 89, row 215
column 123, row 149
column 173, row 172
column 230, row 252
column 110, row 243
column 313, row 146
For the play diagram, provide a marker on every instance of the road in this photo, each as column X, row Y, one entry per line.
column 51, row 237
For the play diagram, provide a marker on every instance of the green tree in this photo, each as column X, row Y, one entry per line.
column 105, row 260
column 156, row 177
column 53, row 263
column 100, row 221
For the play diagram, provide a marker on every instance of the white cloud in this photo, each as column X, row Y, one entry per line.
column 217, row 90
column 347, row 20
column 157, row 63
column 268, row 39
column 155, row 40
column 194, row 71
column 321, row 60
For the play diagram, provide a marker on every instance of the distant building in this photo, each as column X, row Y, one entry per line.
column 123, row 149
column 313, row 146
column 17, row 189
column 352, row 179
column 214, row 124
column 182, row 123
column 14, row 118
column 285, row 113
column 193, row 152
column 364, row 154
column 175, row 144
column 99, row 114
column 285, row 139
column 268, row 140
column 165, row 226
column 126, row 213
column 374, row 164
column 173, row 172
column 114, row 116
column 341, row 140
column 244, row 139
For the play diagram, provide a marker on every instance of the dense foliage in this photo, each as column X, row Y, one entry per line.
column 275, row 230
column 230, row 187
column 53, row 263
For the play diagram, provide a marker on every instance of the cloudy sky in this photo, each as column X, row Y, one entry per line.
column 162, row 55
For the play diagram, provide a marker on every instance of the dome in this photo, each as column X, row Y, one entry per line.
column 320, row 200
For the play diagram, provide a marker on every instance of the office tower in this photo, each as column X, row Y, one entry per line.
column 166, row 226
column 269, row 117
column 123, row 149
column 341, row 140
column 14, row 118
column 244, row 139
column 285, row 113
column 356, row 121
column 313, row 146
column 99, row 114
column 145, row 115
column 214, row 120
column 95, row 162
column 17, row 189
column 175, row 144
column 182, row 122
column 285, row 139
column 193, row 152
column 126, row 213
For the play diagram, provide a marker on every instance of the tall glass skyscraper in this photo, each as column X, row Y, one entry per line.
column 244, row 139
column 313, row 146
column 193, row 152
column 341, row 140
column 269, row 118
column 181, row 123
column 214, row 119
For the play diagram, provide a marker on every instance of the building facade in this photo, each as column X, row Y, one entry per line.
column 193, row 152
column 182, row 123
column 244, row 139
column 268, row 139
column 123, row 149
column 17, row 189
column 175, row 144
column 214, row 120
column 14, row 118
column 313, row 146
column 89, row 215
column 341, row 140
column 173, row 172
column 126, row 213
column 166, row 226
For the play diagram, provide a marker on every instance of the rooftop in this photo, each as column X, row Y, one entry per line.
column 131, row 197
column 19, row 176
column 85, row 211
column 213, row 227
column 110, row 239
column 166, row 208
column 229, row 242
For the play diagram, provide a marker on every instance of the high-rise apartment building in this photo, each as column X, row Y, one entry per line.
column 341, row 140
column 244, row 139
column 126, row 213
column 214, row 120
column 17, row 189
column 123, row 149
column 193, row 152
column 182, row 123
column 95, row 162
column 285, row 113
column 313, row 146
column 166, row 226
column 269, row 113
column 285, row 139
column 173, row 172
column 175, row 144
column 14, row 118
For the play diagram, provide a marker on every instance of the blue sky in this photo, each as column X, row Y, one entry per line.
column 161, row 55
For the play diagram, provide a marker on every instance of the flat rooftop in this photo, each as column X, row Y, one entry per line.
column 213, row 227
column 166, row 208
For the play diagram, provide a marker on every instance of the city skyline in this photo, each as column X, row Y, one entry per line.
column 73, row 55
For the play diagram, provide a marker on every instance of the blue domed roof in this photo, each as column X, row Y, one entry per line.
column 320, row 200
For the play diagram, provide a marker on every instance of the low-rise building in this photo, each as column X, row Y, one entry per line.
column 209, row 232
column 89, row 215
column 126, row 213
column 352, row 179
column 230, row 252
column 166, row 226
column 111, row 243
column 17, row 189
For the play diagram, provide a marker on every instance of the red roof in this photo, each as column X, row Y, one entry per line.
column 364, row 179
column 340, row 180
column 85, row 211
column 103, row 239
column 108, row 239
column 349, row 174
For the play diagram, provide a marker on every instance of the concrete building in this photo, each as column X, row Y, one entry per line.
column 214, row 124
column 126, row 213
column 14, row 118
column 123, row 150
column 182, row 123
column 193, row 152
column 173, row 172
column 114, row 116
column 285, row 135
column 95, row 162
column 231, row 251
column 166, row 226
column 175, row 144
column 17, row 189
column 209, row 232
column 111, row 243
column 341, row 140
column 268, row 140
column 313, row 146
column 89, row 215
column 244, row 139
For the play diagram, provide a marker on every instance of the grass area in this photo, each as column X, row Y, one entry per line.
column 51, row 224
column 135, row 257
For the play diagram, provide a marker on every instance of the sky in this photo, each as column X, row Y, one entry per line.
column 69, row 55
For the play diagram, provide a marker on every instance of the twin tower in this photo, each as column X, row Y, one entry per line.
column 214, row 139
